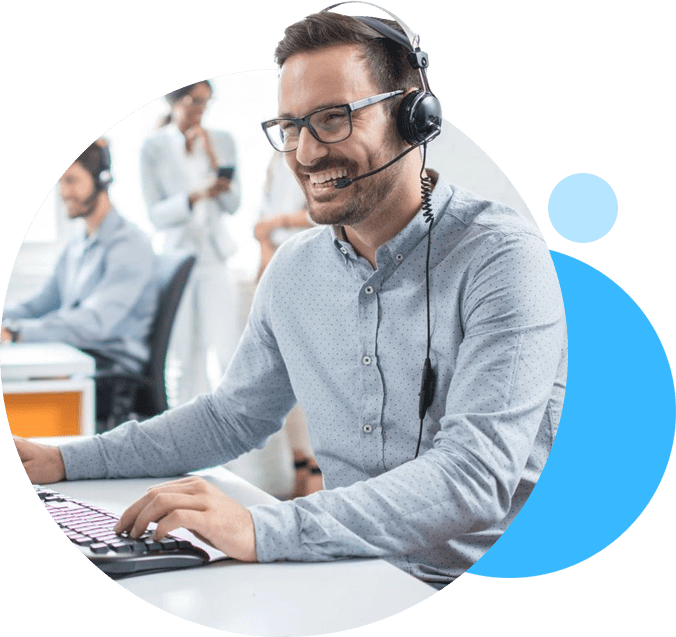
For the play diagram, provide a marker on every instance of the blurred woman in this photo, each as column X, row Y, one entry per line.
column 189, row 179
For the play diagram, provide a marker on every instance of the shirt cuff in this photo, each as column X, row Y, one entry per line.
column 83, row 459
column 277, row 532
column 33, row 330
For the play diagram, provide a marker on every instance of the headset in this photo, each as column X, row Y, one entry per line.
column 104, row 177
column 419, row 115
column 418, row 122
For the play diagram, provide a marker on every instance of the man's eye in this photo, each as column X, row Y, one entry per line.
column 287, row 126
column 332, row 118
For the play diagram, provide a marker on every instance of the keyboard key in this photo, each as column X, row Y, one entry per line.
column 152, row 545
column 98, row 547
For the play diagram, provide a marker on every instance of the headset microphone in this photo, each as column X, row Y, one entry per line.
column 348, row 181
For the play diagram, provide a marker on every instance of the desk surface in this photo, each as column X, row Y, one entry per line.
column 262, row 599
column 24, row 361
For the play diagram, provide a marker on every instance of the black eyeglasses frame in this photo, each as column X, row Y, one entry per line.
column 301, row 122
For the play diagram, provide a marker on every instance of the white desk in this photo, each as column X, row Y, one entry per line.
column 262, row 599
column 48, row 389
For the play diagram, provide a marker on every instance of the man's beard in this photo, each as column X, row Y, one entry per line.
column 81, row 212
column 362, row 196
column 83, row 207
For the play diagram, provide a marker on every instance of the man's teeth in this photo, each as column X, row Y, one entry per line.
column 330, row 175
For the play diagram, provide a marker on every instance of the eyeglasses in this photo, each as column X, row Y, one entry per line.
column 328, row 125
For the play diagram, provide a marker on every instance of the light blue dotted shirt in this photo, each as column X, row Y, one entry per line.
column 101, row 295
column 349, row 343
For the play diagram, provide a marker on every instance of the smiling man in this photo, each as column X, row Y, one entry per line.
column 320, row 80
column 343, row 319
column 315, row 81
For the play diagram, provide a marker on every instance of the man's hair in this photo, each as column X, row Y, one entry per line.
column 92, row 159
column 390, row 69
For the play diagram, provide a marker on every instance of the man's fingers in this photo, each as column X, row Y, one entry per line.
column 158, row 501
column 179, row 519
column 160, row 506
column 129, row 516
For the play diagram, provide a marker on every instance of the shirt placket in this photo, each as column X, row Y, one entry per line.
column 371, row 381
column 76, row 272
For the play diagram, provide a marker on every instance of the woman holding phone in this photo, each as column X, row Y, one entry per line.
column 190, row 182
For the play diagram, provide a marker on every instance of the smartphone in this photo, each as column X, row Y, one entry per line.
column 225, row 172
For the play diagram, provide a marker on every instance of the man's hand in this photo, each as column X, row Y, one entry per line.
column 5, row 335
column 196, row 505
column 42, row 463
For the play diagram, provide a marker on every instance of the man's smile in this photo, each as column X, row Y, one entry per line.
column 326, row 178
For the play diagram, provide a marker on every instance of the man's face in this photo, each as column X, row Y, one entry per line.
column 78, row 191
column 329, row 77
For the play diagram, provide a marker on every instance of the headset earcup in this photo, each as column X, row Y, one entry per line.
column 104, row 178
column 419, row 117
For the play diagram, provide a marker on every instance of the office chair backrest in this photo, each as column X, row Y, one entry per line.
column 172, row 272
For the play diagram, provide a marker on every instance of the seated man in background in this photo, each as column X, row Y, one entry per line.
column 101, row 296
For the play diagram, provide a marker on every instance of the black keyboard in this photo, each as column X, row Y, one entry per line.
column 91, row 529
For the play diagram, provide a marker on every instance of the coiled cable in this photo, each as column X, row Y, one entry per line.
column 428, row 382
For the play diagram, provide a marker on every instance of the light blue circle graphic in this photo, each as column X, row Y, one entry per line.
column 614, row 438
column 583, row 208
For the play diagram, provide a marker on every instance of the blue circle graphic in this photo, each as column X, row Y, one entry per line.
column 614, row 438
column 582, row 208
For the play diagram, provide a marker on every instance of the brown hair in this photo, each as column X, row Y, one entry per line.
column 390, row 69
column 178, row 94
column 95, row 158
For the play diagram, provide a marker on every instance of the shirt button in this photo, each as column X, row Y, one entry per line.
column 368, row 289
column 367, row 429
column 366, row 360
column 343, row 250
column 399, row 257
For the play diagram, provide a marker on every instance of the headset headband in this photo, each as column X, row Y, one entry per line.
column 413, row 38
column 416, row 58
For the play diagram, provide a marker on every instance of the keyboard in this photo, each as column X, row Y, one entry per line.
column 91, row 530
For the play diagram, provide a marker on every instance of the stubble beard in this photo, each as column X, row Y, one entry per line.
column 364, row 197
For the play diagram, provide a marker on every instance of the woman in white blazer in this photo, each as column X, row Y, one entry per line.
column 190, row 182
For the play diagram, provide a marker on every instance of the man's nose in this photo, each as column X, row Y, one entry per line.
column 310, row 149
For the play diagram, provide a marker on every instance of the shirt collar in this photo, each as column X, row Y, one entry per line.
column 109, row 224
column 402, row 244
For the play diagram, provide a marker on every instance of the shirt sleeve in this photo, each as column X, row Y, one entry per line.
column 128, row 269
column 167, row 210
column 164, row 210
column 241, row 414
column 506, row 369
column 44, row 302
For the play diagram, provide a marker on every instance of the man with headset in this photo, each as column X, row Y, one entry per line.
column 424, row 473
column 101, row 296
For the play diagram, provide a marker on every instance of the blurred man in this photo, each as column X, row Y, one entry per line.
column 101, row 296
